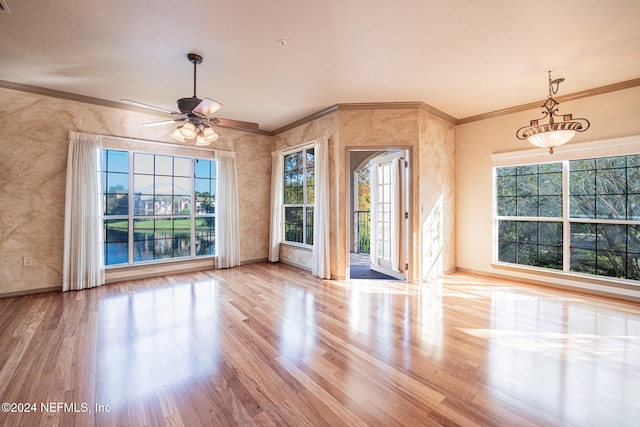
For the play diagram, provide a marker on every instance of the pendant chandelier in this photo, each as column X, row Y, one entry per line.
column 554, row 133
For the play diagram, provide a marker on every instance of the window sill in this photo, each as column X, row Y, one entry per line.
column 308, row 248
column 567, row 275
column 121, row 272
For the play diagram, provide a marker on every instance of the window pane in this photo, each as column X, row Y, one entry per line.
column 633, row 207
column 163, row 205
column 203, row 187
column 163, row 185
column 310, row 166
column 116, row 253
column 181, row 237
column 143, row 184
column 309, row 227
column 116, row 161
column 530, row 243
column 507, row 231
column 550, row 183
column 164, row 238
column 182, row 166
column 633, row 180
column 506, row 206
column 202, row 168
column 506, row 185
column 116, row 204
column 550, row 233
column 507, row 252
column 143, row 163
column 611, row 162
column 181, row 205
column 611, row 206
column 164, row 165
column 527, row 206
column 550, row 206
column 294, row 224
column 582, row 206
column 205, row 236
column 550, row 167
column 293, row 179
column 527, row 185
column 181, row 186
column 611, row 181
column 144, row 239
column 143, row 204
column 116, row 242
column 116, row 230
column 115, row 182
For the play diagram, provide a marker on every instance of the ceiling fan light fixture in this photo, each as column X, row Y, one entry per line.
column 188, row 130
column 195, row 113
column 209, row 134
column 177, row 135
column 552, row 134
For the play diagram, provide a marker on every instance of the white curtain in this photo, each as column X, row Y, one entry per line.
column 83, row 258
column 277, row 200
column 227, row 211
column 321, row 254
column 373, row 204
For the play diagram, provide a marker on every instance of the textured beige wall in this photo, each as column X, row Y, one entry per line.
column 33, row 173
column 612, row 115
column 435, row 249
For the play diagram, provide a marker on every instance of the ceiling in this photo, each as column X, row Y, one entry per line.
column 462, row 57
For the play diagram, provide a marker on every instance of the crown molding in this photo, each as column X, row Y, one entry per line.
column 417, row 105
column 37, row 90
column 98, row 101
column 343, row 106
column 305, row 119
column 570, row 97
column 399, row 105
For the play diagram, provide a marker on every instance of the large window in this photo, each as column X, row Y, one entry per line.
column 579, row 215
column 157, row 207
column 299, row 196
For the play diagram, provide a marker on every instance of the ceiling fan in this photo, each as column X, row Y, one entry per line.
column 195, row 114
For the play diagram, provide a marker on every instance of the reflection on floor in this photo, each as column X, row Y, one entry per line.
column 267, row 344
column 359, row 268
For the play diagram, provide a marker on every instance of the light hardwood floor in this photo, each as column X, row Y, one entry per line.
column 270, row 345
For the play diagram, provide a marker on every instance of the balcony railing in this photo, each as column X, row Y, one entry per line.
column 361, row 231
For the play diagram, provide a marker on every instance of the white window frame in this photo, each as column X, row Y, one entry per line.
column 131, row 217
column 594, row 149
column 299, row 149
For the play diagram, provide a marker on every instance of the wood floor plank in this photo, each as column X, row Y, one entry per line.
column 270, row 345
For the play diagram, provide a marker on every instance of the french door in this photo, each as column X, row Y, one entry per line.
column 387, row 214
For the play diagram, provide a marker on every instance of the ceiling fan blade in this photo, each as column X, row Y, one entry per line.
column 237, row 124
column 206, row 108
column 140, row 104
column 163, row 122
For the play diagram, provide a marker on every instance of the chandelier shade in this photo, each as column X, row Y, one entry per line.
column 554, row 133
column 188, row 130
column 197, row 129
